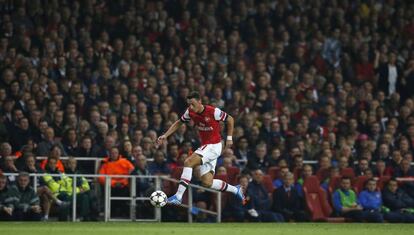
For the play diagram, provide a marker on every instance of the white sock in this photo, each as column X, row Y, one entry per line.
column 184, row 181
column 220, row 185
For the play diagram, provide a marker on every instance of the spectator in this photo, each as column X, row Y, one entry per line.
column 86, row 201
column 61, row 187
column 406, row 170
column 7, row 200
column 9, row 167
column 259, row 159
column 87, row 149
column 288, row 202
column 55, row 152
column 278, row 182
column 27, row 205
column 371, row 200
column 346, row 204
column 49, row 141
column 115, row 164
column 259, row 204
column 141, row 169
column 363, row 165
column 396, row 200
column 234, row 209
column 159, row 166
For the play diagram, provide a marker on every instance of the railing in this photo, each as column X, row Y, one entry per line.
column 132, row 197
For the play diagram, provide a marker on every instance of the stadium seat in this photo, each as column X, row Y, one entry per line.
column 348, row 172
column 232, row 173
column 273, row 172
column 359, row 183
column 267, row 183
column 317, row 202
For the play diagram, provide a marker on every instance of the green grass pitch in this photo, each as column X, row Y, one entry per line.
column 16, row 228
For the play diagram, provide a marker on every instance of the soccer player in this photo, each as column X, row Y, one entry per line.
column 207, row 120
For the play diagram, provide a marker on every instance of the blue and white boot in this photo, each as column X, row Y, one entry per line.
column 240, row 194
column 173, row 200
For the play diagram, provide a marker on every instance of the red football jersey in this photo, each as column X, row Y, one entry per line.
column 207, row 123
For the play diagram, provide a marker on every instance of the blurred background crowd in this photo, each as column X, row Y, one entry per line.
column 324, row 82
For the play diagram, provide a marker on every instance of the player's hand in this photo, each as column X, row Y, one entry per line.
column 161, row 140
column 8, row 210
column 36, row 209
column 229, row 143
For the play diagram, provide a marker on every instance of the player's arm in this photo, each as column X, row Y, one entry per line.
column 174, row 127
column 230, row 127
column 220, row 115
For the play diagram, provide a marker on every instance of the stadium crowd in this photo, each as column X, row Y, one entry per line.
column 320, row 80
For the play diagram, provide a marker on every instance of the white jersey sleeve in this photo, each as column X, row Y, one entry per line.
column 220, row 115
column 186, row 116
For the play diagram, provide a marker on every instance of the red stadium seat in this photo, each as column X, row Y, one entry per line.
column 348, row 172
column 359, row 183
column 268, row 183
column 317, row 202
column 233, row 172
column 273, row 172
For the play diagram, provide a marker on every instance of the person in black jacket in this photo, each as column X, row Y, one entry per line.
column 259, row 204
column 27, row 205
column 7, row 200
column 406, row 170
column 234, row 210
column 288, row 202
column 396, row 200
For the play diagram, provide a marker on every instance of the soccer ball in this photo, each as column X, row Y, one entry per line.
column 158, row 198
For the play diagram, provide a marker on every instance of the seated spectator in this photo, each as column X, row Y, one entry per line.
column 343, row 163
column 141, row 169
column 363, row 165
column 27, row 205
column 278, row 182
column 49, row 141
column 55, row 152
column 7, row 200
column 259, row 159
column 396, row 200
column 86, row 201
column 46, row 196
column 380, row 169
column 259, row 203
column 10, row 167
column 333, row 172
column 406, row 170
column 234, row 210
column 70, row 142
column 60, row 186
column 288, row 202
column 346, row 204
column 159, row 166
column 394, row 163
column 115, row 164
column 371, row 200
column 87, row 149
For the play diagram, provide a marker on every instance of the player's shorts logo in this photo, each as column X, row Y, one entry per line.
column 207, row 119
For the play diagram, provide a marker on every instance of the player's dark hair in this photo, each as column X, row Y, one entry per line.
column 194, row 95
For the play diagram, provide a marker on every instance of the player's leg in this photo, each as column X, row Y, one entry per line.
column 189, row 163
column 208, row 181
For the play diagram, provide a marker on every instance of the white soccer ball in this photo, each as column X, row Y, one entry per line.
column 158, row 198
